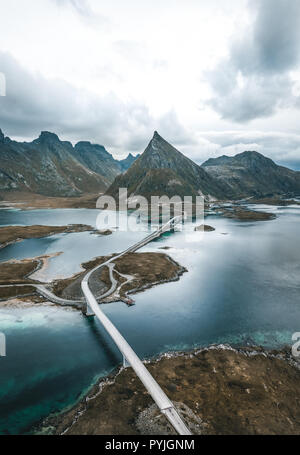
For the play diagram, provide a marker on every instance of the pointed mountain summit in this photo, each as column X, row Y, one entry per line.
column 252, row 174
column 163, row 170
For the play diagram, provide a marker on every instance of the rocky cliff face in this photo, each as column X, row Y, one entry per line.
column 97, row 159
column 52, row 167
column 163, row 170
column 252, row 174
column 46, row 166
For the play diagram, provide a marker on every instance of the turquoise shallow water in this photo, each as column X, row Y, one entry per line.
column 242, row 288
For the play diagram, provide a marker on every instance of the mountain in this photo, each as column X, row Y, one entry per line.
column 252, row 174
column 128, row 162
column 97, row 159
column 163, row 170
column 52, row 167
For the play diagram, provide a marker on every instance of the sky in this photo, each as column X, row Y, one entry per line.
column 213, row 77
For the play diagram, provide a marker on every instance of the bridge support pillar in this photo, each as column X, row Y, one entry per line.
column 125, row 363
column 87, row 311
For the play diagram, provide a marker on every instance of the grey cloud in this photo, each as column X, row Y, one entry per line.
column 254, row 80
column 272, row 45
column 259, row 96
column 277, row 34
column 34, row 103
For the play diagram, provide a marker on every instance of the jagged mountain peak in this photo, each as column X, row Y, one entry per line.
column 128, row 162
column 47, row 137
column 158, row 139
column 88, row 144
column 92, row 152
column 2, row 137
column 53, row 167
column 163, row 170
column 161, row 154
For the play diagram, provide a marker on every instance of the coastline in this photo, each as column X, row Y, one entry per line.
column 226, row 368
column 134, row 273
column 13, row 234
column 160, row 358
column 32, row 201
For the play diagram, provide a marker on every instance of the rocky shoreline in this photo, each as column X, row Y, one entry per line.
column 217, row 390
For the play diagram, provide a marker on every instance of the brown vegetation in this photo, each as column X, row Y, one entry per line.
column 37, row 201
column 242, row 214
column 18, row 271
column 11, row 234
column 231, row 392
column 146, row 270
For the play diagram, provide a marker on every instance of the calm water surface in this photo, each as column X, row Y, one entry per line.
column 242, row 287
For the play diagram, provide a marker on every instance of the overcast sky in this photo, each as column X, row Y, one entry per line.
column 212, row 76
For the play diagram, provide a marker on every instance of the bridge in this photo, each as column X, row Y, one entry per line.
column 129, row 356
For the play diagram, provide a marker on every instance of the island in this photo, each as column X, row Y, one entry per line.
column 132, row 273
column 244, row 214
column 12, row 234
column 204, row 228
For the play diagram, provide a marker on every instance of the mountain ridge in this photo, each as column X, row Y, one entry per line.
column 252, row 174
column 51, row 167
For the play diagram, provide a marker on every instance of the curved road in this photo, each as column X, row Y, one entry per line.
column 163, row 402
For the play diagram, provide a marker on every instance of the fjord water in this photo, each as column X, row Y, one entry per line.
column 242, row 287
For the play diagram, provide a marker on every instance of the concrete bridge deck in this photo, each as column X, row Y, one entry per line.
column 93, row 309
column 163, row 402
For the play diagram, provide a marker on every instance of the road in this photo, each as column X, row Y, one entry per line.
column 163, row 402
column 93, row 309
column 44, row 292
